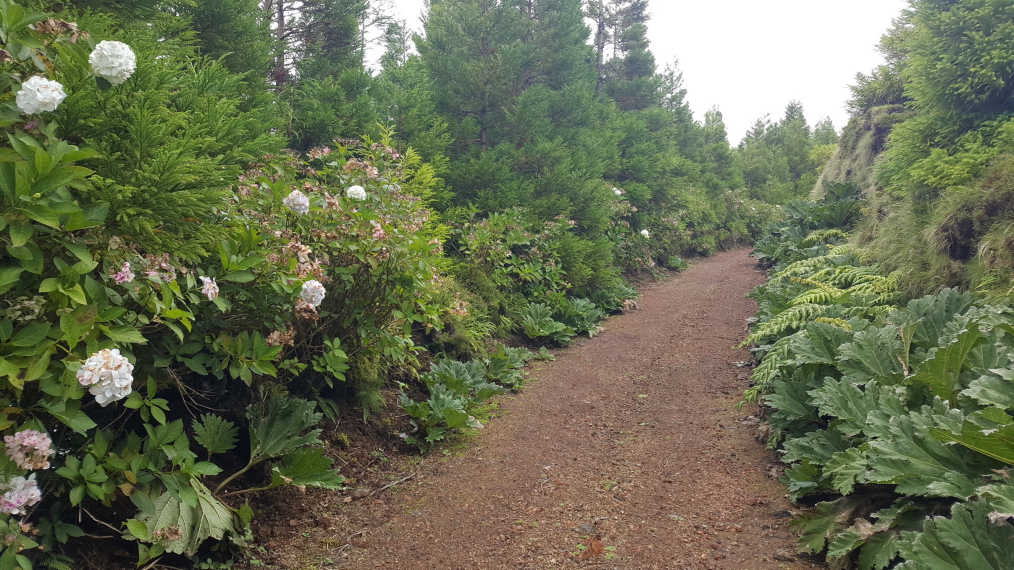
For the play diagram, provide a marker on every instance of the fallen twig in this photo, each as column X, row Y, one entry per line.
column 398, row 482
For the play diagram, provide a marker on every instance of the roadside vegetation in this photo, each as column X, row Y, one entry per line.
column 884, row 335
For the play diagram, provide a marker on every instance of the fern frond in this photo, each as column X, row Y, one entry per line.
column 823, row 236
column 821, row 294
column 840, row 323
column 770, row 367
column 791, row 318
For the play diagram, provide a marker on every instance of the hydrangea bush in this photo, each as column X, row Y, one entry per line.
column 109, row 346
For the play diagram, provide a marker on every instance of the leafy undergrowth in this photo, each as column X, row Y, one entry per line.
column 895, row 420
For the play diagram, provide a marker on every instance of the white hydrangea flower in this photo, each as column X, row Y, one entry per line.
column 210, row 288
column 107, row 375
column 356, row 192
column 313, row 292
column 113, row 61
column 297, row 202
column 39, row 94
column 617, row 191
column 645, row 233
column 20, row 493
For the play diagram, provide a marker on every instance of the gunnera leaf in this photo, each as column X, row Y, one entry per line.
column 965, row 541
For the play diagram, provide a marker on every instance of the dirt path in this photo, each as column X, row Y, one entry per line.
column 627, row 452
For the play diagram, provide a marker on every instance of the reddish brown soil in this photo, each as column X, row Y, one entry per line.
column 626, row 452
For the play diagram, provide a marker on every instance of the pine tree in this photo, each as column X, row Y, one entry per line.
column 236, row 30
column 329, row 87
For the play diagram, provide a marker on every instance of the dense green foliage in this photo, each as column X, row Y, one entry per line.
column 895, row 419
column 929, row 144
column 229, row 232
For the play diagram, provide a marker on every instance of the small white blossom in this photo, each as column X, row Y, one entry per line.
column 210, row 288
column 107, row 375
column 356, row 193
column 29, row 449
column 312, row 293
column 297, row 202
column 617, row 191
column 20, row 493
column 113, row 61
column 39, row 94
column 645, row 233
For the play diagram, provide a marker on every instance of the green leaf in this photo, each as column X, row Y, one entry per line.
column 124, row 334
column 20, row 232
column 879, row 551
column 215, row 434
column 845, row 469
column 852, row 405
column 995, row 443
column 934, row 312
column 77, row 494
column 31, row 335
column 276, row 425
column 817, row 446
column 817, row 525
column 791, row 402
column 1000, row 498
column 993, row 391
column 138, row 529
column 308, row 467
column 69, row 412
column 238, row 277
column 205, row 469
column 77, row 323
column 873, row 354
column 942, row 371
column 819, row 344
column 922, row 465
column 245, row 514
column 9, row 276
column 965, row 541
column 206, row 518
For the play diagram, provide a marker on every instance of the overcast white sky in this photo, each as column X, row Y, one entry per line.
column 751, row 57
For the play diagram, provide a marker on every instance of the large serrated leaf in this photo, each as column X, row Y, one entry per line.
column 1000, row 498
column 879, row 551
column 276, row 426
column 846, row 468
column 852, row 405
column 942, row 371
column 215, row 434
column 934, row 312
column 817, row 446
column 920, row 464
column 207, row 518
column 993, row 390
column 872, row 354
column 965, row 541
column 791, row 402
column 308, row 467
column 819, row 344
column 998, row 444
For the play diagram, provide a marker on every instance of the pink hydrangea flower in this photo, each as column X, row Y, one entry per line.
column 210, row 288
column 20, row 493
column 30, row 449
column 124, row 275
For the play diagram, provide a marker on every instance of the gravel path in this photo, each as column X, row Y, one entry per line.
column 626, row 452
